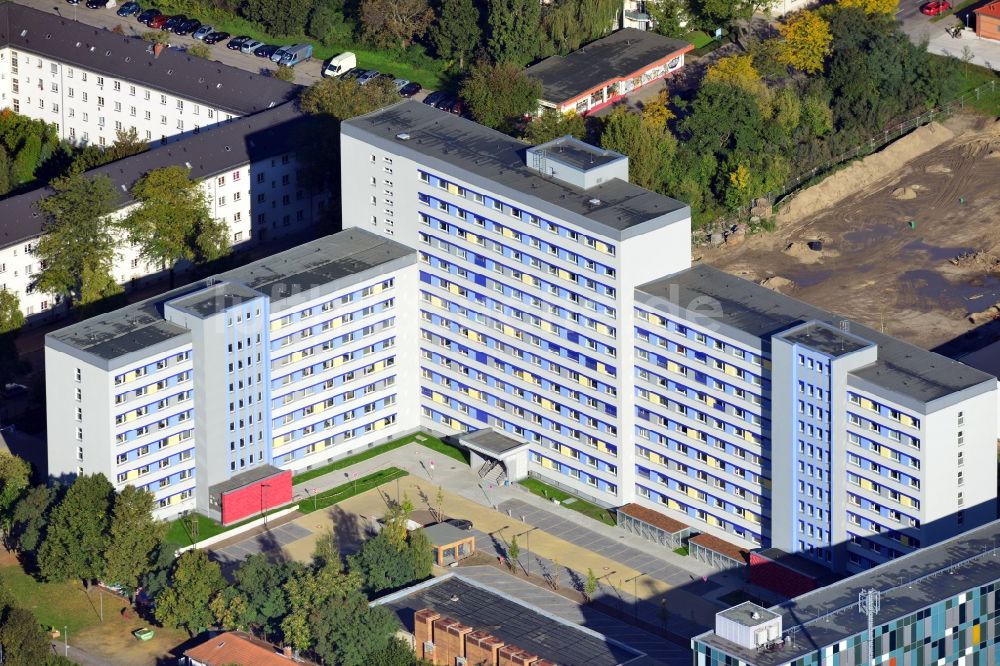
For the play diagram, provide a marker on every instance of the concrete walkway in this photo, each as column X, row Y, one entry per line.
column 560, row 540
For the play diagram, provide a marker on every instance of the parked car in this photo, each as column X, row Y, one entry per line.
column 148, row 15
column 251, row 45
column 158, row 21
column 236, row 42
column 72, row 2
column 399, row 83
column 266, row 51
column 173, row 22
column 187, row 27
column 935, row 7
column 129, row 9
column 434, row 98
column 340, row 65
column 367, row 76
column 457, row 107
column 445, row 102
column 460, row 523
column 276, row 56
column 203, row 32
column 410, row 89
column 353, row 73
column 295, row 54
column 215, row 37
column 97, row 4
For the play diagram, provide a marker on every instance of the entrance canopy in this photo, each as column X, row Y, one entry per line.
column 490, row 445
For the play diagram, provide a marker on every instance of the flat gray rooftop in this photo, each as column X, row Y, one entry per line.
column 491, row 441
column 744, row 614
column 490, row 159
column 749, row 312
column 621, row 53
column 909, row 584
column 218, row 298
column 242, row 479
column 131, row 59
column 443, row 534
column 824, row 339
column 286, row 275
column 495, row 612
column 572, row 151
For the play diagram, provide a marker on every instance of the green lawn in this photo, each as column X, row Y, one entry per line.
column 583, row 506
column 179, row 531
column 54, row 604
column 969, row 77
column 427, row 73
column 699, row 38
column 682, row 551
column 429, row 441
column 350, row 489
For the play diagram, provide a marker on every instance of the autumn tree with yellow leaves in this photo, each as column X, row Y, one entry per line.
column 806, row 42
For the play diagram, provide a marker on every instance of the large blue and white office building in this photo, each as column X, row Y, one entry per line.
column 534, row 291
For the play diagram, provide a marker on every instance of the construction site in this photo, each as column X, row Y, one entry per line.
column 906, row 240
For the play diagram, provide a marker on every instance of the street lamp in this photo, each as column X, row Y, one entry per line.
column 66, row 639
column 635, row 591
column 262, row 486
column 527, row 533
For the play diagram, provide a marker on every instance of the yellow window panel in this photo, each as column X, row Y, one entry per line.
column 547, row 463
column 907, row 420
column 438, row 398
column 508, row 232
column 132, row 474
column 866, row 484
column 976, row 635
column 693, row 492
column 565, row 274
column 472, row 238
column 672, row 504
column 673, row 367
column 905, row 501
column 296, row 356
column 275, row 325
column 379, row 425
column 452, row 188
column 172, row 440
column 130, row 417
column 565, row 450
column 712, row 520
column 174, row 499
column 732, row 370
column 868, row 404
column 547, row 326
column 152, row 388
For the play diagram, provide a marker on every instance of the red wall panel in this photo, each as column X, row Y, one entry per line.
column 256, row 497
column 778, row 578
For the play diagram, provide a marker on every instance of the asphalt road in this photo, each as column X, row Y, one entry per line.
column 305, row 73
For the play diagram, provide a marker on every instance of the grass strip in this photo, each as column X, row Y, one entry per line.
column 588, row 509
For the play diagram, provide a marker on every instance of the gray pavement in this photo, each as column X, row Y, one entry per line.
column 270, row 540
column 660, row 650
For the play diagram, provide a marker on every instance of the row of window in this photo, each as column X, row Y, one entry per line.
column 680, row 486
column 288, row 318
column 699, row 514
column 701, row 338
column 284, row 399
column 147, row 368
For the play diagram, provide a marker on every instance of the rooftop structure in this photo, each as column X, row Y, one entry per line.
column 748, row 312
column 511, row 621
column 105, row 52
column 485, row 157
column 611, row 66
column 286, row 278
column 909, row 585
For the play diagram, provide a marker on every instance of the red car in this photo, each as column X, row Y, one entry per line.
column 935, row 7
column 158, row 22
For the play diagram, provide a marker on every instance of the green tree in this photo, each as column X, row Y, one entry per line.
column 172, row 219
column 283, row 73
column 395, row 23
column 456, row 34
column 500, row 95
column 279, row 17
column 308, row 589
column 127, row 143
column 133, row 536
column 194, row 581
column 514, row 551
column 647, row 143
column 669, row 16
column 77, row 249
column 385, row 564
column 329, row 23
column 77, row 534
column 230, row 609
column 26, row 160
column 5, row 172
column 711, row 14
column 590, row 585
column 15, row 473
column 552, row 124
column 885, row 7
column 344, row 99
column 513, row 31
column 352, row 631
column 11, row 321
column 30, row 519
column 569, row 24
column 262, row 584
column 24, row 643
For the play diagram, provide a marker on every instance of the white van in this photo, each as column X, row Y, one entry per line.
column 338, row 65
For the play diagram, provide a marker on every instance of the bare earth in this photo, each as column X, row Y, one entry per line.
column 872, row 266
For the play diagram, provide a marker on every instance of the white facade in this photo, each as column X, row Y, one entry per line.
column 233, row 377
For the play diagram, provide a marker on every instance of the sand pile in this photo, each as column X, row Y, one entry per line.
column 778, row 283
column 869, row 172
column 938, row 168
column 989, row 314
column 904, row 193
column 802, row 252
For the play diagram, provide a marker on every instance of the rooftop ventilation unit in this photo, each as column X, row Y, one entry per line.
column 594, row 202
column 403, row 136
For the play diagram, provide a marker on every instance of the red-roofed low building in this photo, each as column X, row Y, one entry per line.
column 988, row 20
column 236, row 647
